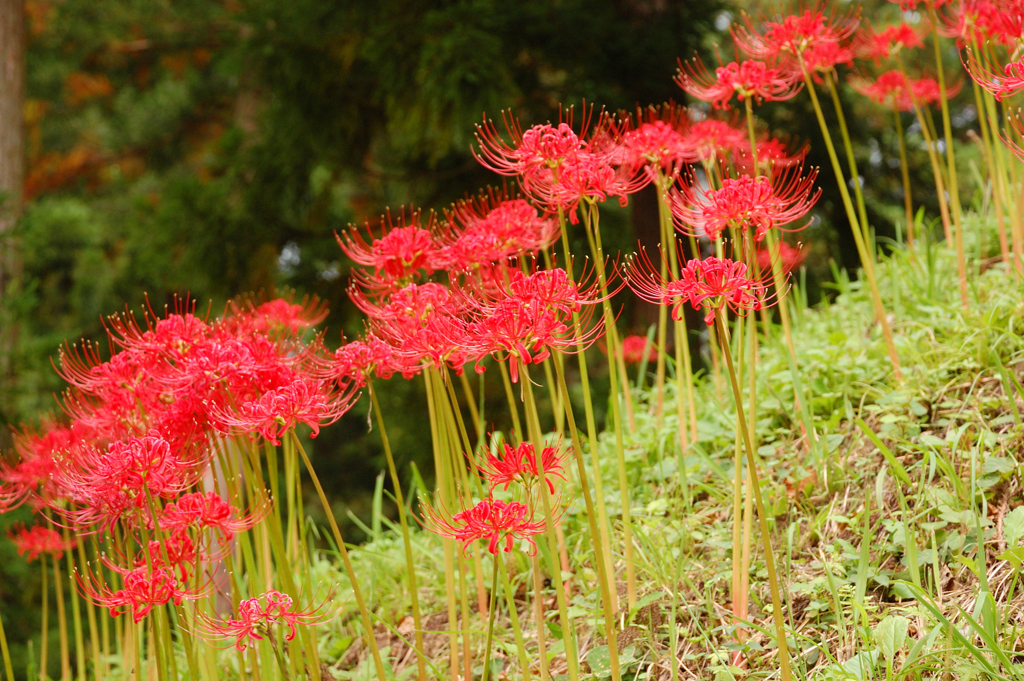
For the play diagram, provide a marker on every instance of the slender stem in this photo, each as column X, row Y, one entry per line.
column 410, row 563
column 604, row 527
column 568, row 628
column 356, row 591
column 8, row 669
column 490, row 621
column 591, row 224
column 513, row 615
column 65, row 653
column 908, row 199
column 762, row 516
column 866, row 256
column 954, row 185
column 538, row 613
column 45, row 633
column 606, row 599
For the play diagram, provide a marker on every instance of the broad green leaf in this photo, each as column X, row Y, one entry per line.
column 1013, row 527
column 891, row 635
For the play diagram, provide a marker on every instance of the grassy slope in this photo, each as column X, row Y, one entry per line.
column 954, row 438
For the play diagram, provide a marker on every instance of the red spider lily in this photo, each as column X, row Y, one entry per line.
column 402, row 250
column 304, row 399
column 542, row 147
column 422, row 324
column 825, row 56
column 257, row 618
column 490, row 228
column 976, row 22
column 280, row 316
column 1002, row 82
column 752, row 204
column 38, row 540
column 789, row 257
column 177, row 551
column 144, row 588
column 209, row 510
column 122, row 481
column 804, row 40
column 355, row 361
column 772, row 153
column 889, row 89
column 712, row 140
column 886, row 43
column 34, row 477
column 633, row 348
column 491, row 519
column 712, row 282
column 529, row 317
column 658, row 139
column 557, row 167
column 748, row 79
column 519, row 464
column 1017, row 125
column 927, row 90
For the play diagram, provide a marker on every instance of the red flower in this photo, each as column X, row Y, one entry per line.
column 976, row 22
column 278, row 316
column 712, row 140
column 302, row 400
column 752, row 204
column 750, row 78
column 519, row 464
column 789, row 257
column 557, row 167
column 403, row 249
column 809, row 39
column 208, row 510
column 889, row 89
column 355, row 361
column 489, row 229
column 529, row 316
column 38, row 540
column 144, row 588
column 124, row 479
column 771, row 153
column 633, row 350
column 887, row 43
column 712, row 282
column 1002, row 82
column 658, row 139
column 257, row 617
column 491, row 519
column 422, row 324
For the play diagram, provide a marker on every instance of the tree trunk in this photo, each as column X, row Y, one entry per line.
column 12, row 179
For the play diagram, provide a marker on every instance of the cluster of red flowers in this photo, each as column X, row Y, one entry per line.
column 144, row 426
column 499, row 522
column 257, row 617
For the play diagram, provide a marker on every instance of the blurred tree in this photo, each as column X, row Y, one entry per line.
column 12, row 172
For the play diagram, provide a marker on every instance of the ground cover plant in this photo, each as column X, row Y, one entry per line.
column 779, row 490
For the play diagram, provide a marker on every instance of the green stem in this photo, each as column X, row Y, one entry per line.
column 762, row 516
column 866, row 257
column 44, row 635
column 407, row 541
column 605, row 583
column 590, row 221
column 356, row 591
column 490, row 621
column 568, row 629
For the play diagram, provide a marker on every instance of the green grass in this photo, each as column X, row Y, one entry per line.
column 897, row 534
